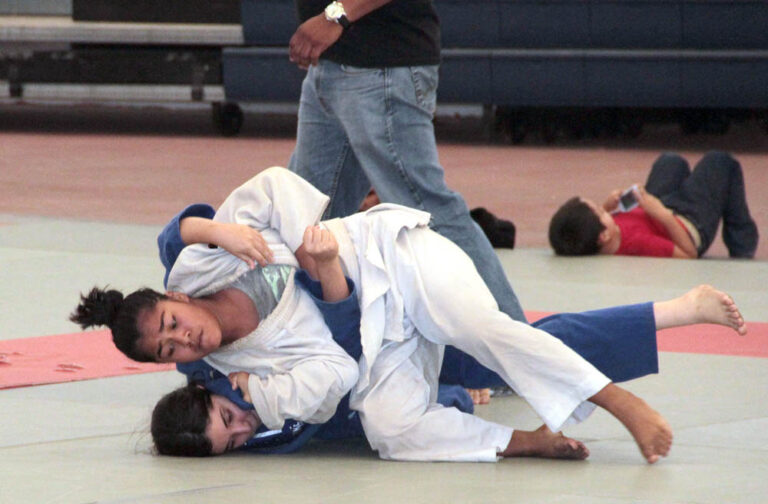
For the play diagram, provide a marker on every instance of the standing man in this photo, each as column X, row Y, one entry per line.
column 365, row 118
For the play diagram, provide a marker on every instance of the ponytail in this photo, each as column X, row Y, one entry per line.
column 99, row 308
column 109, row 308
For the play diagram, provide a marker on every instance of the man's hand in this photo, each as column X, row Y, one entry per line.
column 239, row 380
column 311, row 39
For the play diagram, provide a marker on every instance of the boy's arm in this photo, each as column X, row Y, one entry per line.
column 612, row 202
column 683, row 245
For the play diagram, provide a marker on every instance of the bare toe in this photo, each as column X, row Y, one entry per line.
column 716, row 307
column 571, row 449
column 544, row 443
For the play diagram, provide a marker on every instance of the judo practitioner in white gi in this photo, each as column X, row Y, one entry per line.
column 417, row 292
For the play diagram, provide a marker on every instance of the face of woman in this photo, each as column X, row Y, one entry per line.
column 229, row 427
column 178, row 331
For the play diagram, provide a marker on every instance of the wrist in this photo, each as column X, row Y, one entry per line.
column 198, row 230
column 327, row 266
column 336, row 14
column 216, row 232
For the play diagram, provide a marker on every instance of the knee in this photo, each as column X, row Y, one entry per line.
column 385, row 421
column 720, row 158
column 672, row 159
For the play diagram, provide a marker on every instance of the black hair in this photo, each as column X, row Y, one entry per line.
column 110, row 308
column 179, row 421
column 575, row 229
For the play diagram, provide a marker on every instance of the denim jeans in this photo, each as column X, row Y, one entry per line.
column 713, row 191
column 372, row 127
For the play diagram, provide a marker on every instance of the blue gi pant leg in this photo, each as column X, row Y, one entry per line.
column 619, row 341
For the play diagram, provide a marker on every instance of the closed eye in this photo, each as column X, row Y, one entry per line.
column 227, row 419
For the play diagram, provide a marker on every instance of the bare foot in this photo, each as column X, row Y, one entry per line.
column 701, row 305
column 544, row 443
column 480, row 396
column 651, row 431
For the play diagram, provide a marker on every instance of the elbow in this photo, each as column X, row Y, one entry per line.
column 346, row 375
column 679, row 253
column 690, row 252
column 349, row 375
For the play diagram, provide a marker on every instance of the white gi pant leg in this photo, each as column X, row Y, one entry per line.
column 402, row 419
column 449, row 304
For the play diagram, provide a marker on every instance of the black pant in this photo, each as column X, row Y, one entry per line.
column 713, row 190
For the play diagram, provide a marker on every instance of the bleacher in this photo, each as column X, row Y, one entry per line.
column 691, row 56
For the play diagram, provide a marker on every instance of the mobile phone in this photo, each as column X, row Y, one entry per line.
column 628, row 200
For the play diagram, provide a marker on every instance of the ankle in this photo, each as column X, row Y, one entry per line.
column 520, row 444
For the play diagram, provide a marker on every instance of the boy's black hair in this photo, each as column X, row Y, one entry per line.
column 575, row 229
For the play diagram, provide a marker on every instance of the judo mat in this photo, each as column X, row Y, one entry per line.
column 66, row 358
column 89, row 355
column 84, row 192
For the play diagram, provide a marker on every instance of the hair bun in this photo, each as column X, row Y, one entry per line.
column 100, row 307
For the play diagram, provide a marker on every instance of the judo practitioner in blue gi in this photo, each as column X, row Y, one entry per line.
column 619, row 341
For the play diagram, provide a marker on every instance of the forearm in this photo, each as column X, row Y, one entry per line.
column 677, row 233
column 612, row 201
column 332, row 280
column 306, row 261
column 310, row 392
column 356, row 9
column 198, row 230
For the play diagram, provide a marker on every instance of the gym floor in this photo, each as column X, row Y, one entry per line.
column 85, row 190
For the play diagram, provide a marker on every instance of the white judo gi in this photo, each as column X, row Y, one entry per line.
column 417, row 292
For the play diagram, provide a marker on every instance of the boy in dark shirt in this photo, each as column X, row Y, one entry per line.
column 678, row 214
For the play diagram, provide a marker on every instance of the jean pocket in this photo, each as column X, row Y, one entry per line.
column 425, row 86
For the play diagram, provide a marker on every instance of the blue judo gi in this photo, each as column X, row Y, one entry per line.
column 619, row 341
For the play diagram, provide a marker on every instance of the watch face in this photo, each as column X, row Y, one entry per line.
column 334, row 10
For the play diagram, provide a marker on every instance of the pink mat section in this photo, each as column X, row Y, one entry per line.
column 706, row 339
column 65, row 358
column 88, row 355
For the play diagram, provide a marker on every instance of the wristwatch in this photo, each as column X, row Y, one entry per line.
column 335, row 13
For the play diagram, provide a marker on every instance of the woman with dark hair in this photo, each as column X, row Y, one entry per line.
column 212, row 418
column 417, row 292
column 180, row 421
column 110, row 308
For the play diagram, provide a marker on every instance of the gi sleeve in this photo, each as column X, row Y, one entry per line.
column 310, row 392
column 275, row 199
column 169, row 242
column 341, row 317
